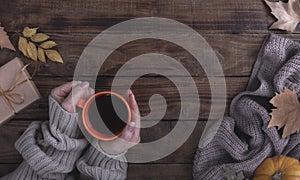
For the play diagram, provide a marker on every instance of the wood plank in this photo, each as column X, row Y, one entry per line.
column 139, row 171
column 236, row 53
column 220, row 16
column 12, row 130
column 144, row 88
column 7, row 168
column 160, row 171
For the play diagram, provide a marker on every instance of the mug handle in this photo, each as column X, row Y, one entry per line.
column 81, row 103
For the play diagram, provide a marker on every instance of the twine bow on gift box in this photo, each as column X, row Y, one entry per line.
column 12, row 97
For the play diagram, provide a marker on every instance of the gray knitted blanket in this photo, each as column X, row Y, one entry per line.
column 243, row 140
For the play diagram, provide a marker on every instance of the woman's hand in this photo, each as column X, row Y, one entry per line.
column 130, row 135
column 63, row 94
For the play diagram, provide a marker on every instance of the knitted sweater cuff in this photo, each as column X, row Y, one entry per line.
column 97, row 158
column 62, row 120
column 96, row 164
column 114, row 156
column 50, row 149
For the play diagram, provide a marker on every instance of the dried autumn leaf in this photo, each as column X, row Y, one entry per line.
column 4, row 40
column 41, row 55
column 288, row 14
column 32, row 51
column 48, row 44
column 287, row 113
column 23, row 44
column 29, row 32
column 53, row 55
column 40, row 37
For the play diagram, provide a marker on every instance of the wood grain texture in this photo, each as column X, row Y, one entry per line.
column 12, row 130
column 236, row 54
column 222, row 16
column 140, row 171
column 7, row 168
column 235, row 29
column 144, row 88
column 160, row 171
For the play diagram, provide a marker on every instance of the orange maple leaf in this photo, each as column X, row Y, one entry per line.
column 287, row 113
column 4, row 40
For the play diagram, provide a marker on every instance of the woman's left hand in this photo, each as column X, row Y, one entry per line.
column 67, row 97
column 130, row 135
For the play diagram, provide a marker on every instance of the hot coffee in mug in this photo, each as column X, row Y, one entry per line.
column 105, row 115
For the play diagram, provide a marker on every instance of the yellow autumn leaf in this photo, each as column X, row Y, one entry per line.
column 40, row 37
column 48, row 44
column 53, row 55
column 23, row 44
column 29, row 32
column 41, row 55
column 32, row 51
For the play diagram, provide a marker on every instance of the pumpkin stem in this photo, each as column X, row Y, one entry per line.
column 277, row 176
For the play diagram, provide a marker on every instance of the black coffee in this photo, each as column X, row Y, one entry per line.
column 108, row 114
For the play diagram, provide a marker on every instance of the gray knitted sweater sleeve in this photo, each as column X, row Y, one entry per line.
column 51, row 149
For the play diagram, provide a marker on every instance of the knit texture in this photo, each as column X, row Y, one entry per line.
column 243, row 140
column 95, row 165
column 50, row 150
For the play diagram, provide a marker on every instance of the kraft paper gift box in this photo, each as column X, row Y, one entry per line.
column 17, row 90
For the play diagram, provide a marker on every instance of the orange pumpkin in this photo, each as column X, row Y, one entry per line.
column 278, row 168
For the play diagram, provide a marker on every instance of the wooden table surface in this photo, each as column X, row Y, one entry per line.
column 235, row 29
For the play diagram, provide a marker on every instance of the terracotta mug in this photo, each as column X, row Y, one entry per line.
column 85, row 105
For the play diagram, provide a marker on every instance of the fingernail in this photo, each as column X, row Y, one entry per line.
column 131, row 126
column 84, row 84
column 129, row 92
column 132, row 123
